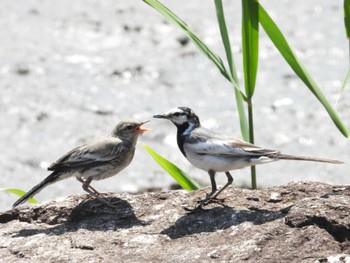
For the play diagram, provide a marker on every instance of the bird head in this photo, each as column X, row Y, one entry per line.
column 180, row 116
column 130, row 129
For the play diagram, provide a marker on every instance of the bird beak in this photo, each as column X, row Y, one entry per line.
column 143, row 129
column 160, row 116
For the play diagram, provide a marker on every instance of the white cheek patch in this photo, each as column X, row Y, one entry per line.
column 179, row 119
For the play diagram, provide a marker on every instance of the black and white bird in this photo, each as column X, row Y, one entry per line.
column 214, row 152
column 94, row 161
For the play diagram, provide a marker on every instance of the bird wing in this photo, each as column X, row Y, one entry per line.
column 90, row 155
column 218, row 145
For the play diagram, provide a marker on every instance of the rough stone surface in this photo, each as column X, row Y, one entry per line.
column 298, row 222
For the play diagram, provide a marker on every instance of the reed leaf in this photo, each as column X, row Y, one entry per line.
column 347, row 21
column 20, row 193
column 180, row 176
column 227, row 45
column 347, row 17
column 195, row 39
column 282, row 45
column 250, row 44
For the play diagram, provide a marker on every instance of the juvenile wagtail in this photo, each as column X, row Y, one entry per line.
column 94, row 161
column 214, row 152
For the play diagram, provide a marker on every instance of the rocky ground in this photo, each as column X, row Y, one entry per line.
column 298, row 222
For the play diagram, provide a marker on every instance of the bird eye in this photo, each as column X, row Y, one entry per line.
column 129, row 127
column 177, row 114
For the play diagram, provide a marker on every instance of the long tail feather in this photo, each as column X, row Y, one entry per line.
column 306, row 158
column 36, row 189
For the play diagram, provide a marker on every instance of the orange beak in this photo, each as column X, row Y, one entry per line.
column 142, row 129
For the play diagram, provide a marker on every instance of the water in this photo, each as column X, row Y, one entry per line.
column 69, row 71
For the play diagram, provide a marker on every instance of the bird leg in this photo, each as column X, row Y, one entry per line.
column 93, row 192
column 202, row 202
column 229, row 182
column 212, row 196
column 93, row 189
column 213, row 183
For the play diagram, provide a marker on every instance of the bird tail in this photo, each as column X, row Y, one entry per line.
column 53, row 177
column 306, row 158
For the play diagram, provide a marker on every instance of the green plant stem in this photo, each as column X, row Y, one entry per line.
column 253, row 177
column 251, row 139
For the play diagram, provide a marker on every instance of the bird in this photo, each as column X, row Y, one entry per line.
column 215, row 152
column 95, row 161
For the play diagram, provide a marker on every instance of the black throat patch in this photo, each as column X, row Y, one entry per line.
column 181, row 136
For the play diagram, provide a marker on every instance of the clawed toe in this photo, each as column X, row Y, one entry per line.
column 203, row 202
column 216, row 200
column 112, row 204
column 206, row 199
column 190, row 210
column 199, row 206
column 103, row 202
column 193, row 210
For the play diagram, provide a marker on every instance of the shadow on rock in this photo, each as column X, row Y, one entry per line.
column 219, row 218
column 91, row 215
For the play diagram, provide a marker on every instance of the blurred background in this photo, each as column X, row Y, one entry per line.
column 71, row 70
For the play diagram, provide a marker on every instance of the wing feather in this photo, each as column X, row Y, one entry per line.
column 202, row 142
column 90, row 155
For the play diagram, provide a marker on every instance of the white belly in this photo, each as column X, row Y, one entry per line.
column 223, row 164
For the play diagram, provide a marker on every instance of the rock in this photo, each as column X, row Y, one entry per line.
column 299, row 222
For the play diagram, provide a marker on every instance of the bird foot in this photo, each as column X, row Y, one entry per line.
column 216, row 200
column 111, row 204
column 210, row 199
column 105, row 202
column 198, row 206
column 203, row 202
column 192, row 210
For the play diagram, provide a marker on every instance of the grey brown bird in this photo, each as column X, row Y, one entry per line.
column 214, row 152
column 94, row 161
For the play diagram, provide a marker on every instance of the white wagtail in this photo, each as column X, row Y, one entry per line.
column 214, row 152
column 94, row 161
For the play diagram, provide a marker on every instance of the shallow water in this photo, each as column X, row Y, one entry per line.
column 69, row 71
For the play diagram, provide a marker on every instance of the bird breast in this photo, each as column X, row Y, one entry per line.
column 111, row 168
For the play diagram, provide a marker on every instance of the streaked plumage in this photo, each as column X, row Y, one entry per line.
column 94, row 161
column 214, row 152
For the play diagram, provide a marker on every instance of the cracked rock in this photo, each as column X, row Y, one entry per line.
column 298, row 222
